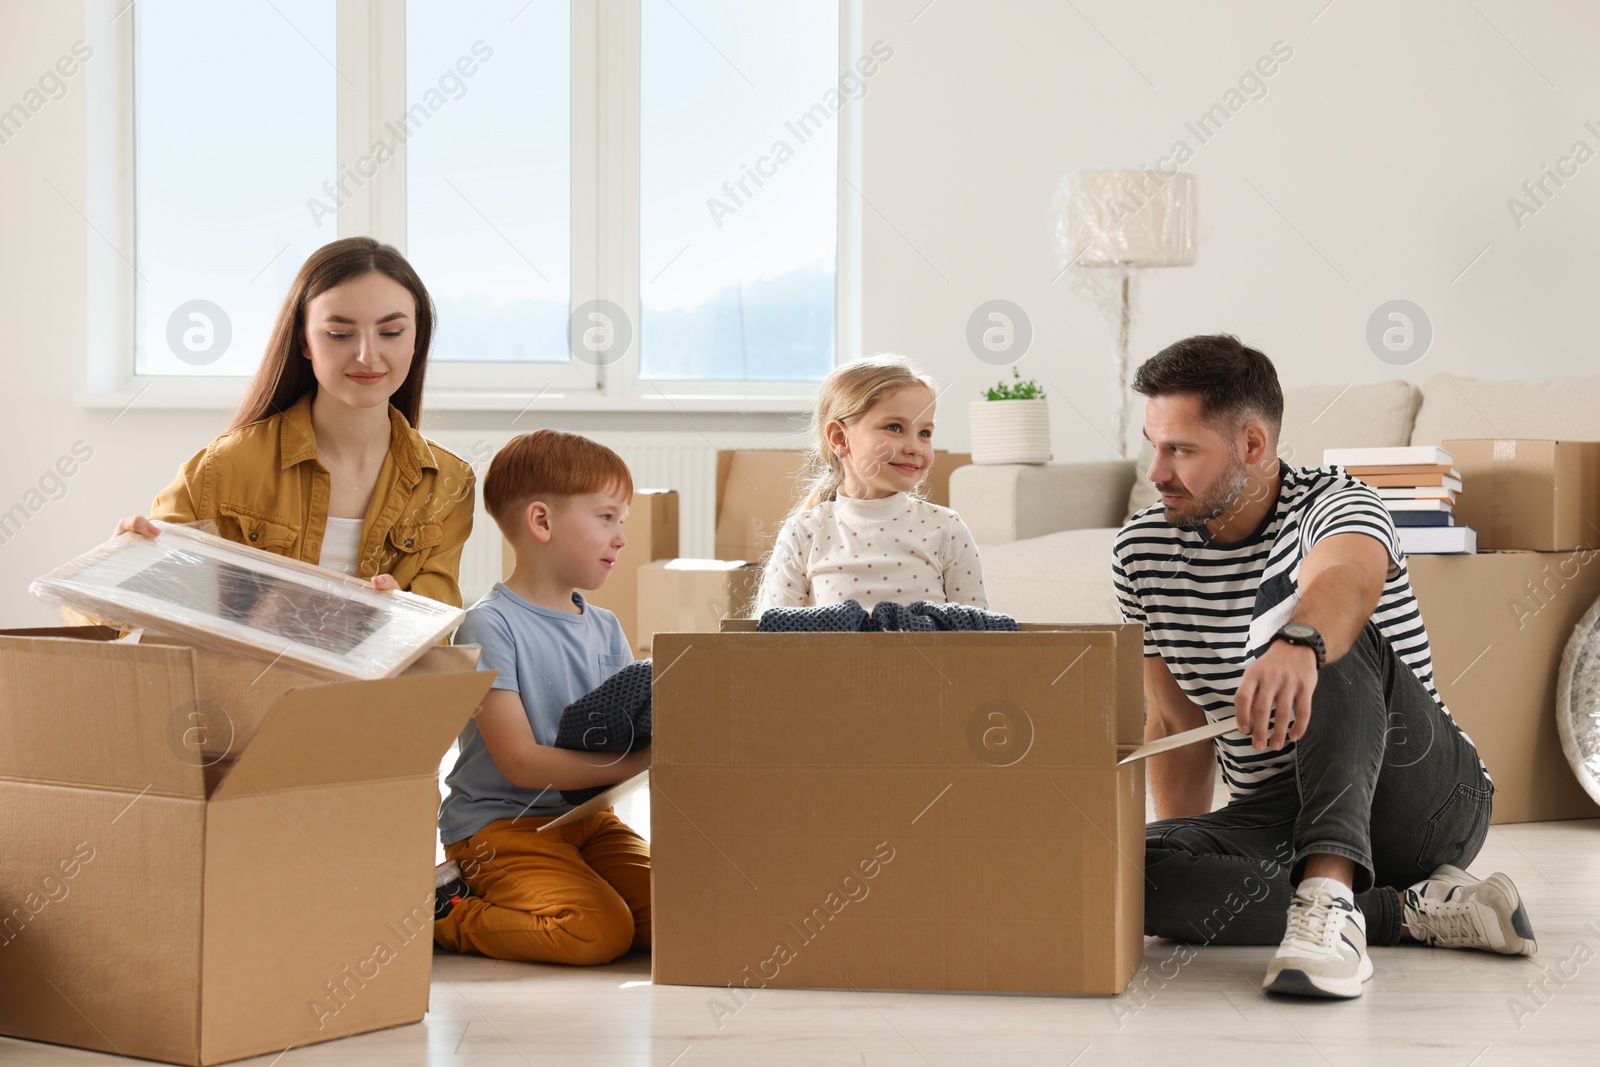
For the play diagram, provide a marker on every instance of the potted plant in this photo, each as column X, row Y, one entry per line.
column 1011, row 424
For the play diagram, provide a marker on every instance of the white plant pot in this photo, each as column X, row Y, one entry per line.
column 1010, row 431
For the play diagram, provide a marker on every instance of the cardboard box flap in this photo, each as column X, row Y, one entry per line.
column 599, row 802
column 1180, row 740
column 82, row 633
column 79, row 709
column 356, row 731
column 445, row 659
column 436, row 659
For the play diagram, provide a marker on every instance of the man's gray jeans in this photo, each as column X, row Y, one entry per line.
column 1381, row 777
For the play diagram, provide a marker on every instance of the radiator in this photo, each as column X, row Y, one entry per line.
column 686, row 462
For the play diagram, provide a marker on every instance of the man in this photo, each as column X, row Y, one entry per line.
column 1280, row 595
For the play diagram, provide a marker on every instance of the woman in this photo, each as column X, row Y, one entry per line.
column 323, row 462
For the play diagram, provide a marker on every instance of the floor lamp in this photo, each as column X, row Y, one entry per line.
column 1111, row 224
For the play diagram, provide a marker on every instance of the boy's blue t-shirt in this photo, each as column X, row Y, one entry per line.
column 548, row 658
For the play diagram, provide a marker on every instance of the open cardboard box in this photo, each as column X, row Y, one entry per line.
column 207, row 858
column 898, row 811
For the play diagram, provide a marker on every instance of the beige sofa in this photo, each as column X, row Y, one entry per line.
column 1045, row 531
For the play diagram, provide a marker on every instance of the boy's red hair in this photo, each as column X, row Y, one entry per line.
column 548, row 464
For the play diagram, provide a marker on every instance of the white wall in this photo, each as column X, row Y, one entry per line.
column 1390, row 141
column 42, row 306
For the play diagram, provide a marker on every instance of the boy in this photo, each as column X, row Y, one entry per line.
column 580, row 894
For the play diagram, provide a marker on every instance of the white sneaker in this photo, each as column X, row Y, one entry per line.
column 445, row 873
column 1324, row 950
column 1452, row 909
column 449, row 888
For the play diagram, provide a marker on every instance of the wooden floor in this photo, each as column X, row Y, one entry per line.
column 1425, row 1006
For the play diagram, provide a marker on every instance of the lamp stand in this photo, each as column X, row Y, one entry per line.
column 1119, row 410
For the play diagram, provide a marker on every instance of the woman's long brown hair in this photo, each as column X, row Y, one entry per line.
column 285, row 373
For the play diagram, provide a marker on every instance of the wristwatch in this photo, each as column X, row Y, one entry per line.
column 1301, row 633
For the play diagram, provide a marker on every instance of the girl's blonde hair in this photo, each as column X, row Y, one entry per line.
column 847, row 394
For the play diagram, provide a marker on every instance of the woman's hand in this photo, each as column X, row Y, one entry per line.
column 384, row 582
column 135, row 524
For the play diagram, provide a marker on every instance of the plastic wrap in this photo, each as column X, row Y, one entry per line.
column 225, row 596
column 1578, row 701
column 1126, row 219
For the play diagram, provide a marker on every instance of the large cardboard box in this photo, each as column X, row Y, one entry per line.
column 692, row 594
column 1540, row 496
column 898, row 811
column 208, row 859
column 652, row 530
column 757, row 488
column 1498, row 623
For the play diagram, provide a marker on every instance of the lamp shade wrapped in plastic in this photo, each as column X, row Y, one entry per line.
column 1129, row 219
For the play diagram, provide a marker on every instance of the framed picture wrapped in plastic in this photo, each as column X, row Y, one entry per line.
column 222, row 595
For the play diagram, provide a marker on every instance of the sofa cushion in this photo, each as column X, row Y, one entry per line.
column 1319, row 417
column 1566, row 409
column 1012, row 501
column 1059, row 577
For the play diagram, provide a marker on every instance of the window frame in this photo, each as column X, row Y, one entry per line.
column 604, row 219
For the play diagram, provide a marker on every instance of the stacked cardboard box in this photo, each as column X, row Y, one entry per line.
column 687, row 595
column 1537, row 496
column 1418, row 485
column 1499, row 622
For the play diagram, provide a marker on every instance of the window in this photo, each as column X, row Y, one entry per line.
column 223, row 172
column 737, row 204
column 673, row 163
column 487, row 130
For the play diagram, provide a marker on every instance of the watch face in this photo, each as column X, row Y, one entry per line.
column 1300, row 630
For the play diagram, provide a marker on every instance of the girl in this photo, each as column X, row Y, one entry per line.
column 862, row 533
column 323, row 462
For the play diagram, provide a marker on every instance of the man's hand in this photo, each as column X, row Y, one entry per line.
column 1284, row 677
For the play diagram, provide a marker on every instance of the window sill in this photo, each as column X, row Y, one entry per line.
column 152, row 398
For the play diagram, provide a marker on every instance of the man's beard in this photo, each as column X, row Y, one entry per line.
column 1217, row 500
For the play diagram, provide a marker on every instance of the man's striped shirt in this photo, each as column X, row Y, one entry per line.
column 1209, row 609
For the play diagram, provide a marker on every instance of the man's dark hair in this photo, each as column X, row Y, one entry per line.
column 1235, row 383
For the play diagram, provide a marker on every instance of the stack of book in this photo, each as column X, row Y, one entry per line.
column 1418, row 484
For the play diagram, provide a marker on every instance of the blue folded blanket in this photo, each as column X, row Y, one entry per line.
column 922, row 617
column 614, row 717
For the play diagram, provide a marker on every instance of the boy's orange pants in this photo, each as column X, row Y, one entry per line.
column 579, row 894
